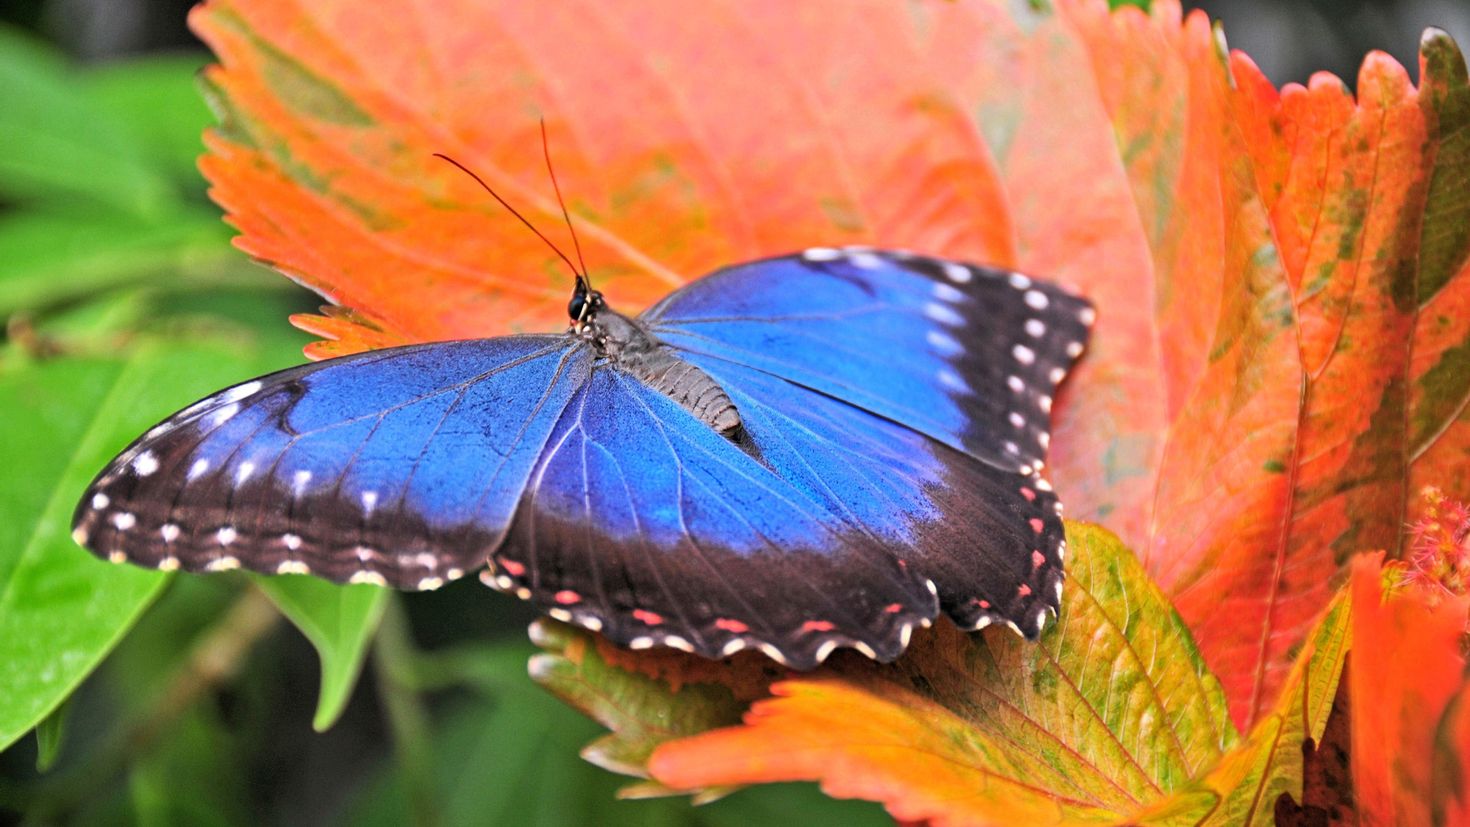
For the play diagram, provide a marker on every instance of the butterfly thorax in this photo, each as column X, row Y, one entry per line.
column 628, row 345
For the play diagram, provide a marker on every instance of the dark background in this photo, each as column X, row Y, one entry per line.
column 1289, row 39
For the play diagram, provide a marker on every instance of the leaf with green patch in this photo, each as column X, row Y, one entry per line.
column 1109, row 713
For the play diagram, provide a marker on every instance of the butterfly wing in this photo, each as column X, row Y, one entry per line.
column 398, row 466
column 946, row 370
column 644, row 523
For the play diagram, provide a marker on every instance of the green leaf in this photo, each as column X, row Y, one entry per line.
column 49, row 735
column 156, row 101
column 59, row 144
column 61, row 609
column 53, row 257
column 1243, row 787
column 339, row 621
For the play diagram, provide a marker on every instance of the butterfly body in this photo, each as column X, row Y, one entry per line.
column 796, row 454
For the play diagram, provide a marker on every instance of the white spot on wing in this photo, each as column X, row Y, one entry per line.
column 821, row 254
column 299, row 481
column 1036, row 300
column 291, row 541
column 1074, row 349
column 560, row 614
column 1015, row 383
column 225, row 563
column 116, row 557
column 197, row 469
column 825, row 650
column 145, row 464
column 239, row 392
column 946, row 345
column 1035, row 328
column 1018, row 281
column 957, row 273
column 772, row 652
column 169, row 532
column 369, row 500
column 369, row 577
column 643, row 641
column 1017, row 420
column 865, row 649
column 243, row 472
column 168, row 564
column 293, row 567
column 1087, row 316
column 222, row 415
column 943, row 314
column 124, row 520
column 676, row 642
column 100, row 501
column 944, row 292
column 79, row 536
column 866, row 261
column 951, row 380
column 226, row 535
column 428, row 584
column 1023, row 354
column 731, row 647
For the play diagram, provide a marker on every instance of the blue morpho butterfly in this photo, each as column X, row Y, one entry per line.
column 796, row 454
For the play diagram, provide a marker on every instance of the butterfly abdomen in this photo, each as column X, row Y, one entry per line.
column 631, row 348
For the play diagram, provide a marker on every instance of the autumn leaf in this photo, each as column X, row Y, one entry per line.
column 1281, row 277
column 1408, row 682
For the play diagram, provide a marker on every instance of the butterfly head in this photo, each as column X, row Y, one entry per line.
column 584, row 304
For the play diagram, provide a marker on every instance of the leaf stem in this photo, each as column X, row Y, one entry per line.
column 408, row 721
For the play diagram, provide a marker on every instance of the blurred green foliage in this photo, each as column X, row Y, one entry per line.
column 132, row 696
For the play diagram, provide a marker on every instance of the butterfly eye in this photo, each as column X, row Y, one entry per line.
column 577, row 305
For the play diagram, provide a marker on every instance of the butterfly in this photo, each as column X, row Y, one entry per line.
column 814, row 451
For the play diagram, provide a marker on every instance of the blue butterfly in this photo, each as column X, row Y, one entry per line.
column 797, row 454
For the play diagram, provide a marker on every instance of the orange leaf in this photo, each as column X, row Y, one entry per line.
column 1109, row 713
column 1406, row 668
column 324, row 162
column 1283, row 279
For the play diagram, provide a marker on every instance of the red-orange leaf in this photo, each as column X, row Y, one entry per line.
column 1406, row 668
column 1282, row 278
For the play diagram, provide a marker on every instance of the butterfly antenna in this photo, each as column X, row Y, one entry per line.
column 466, row 170
column 546, row 150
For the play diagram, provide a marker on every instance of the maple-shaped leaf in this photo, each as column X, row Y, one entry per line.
column 1281, row 277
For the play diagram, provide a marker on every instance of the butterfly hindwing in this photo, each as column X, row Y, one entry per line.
column 868, row 359
column 644, row 523
column 400, row 466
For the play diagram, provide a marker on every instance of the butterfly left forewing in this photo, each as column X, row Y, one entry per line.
column 397, row 467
